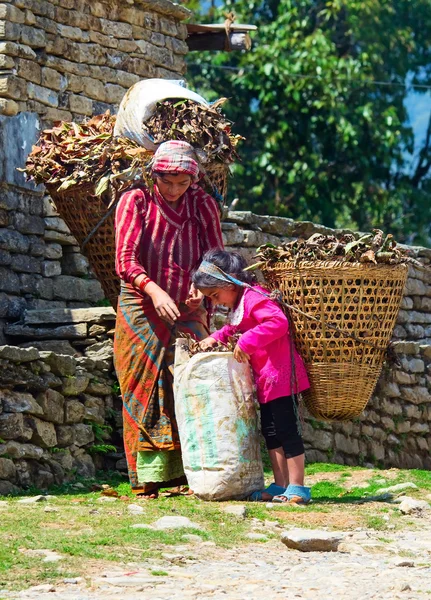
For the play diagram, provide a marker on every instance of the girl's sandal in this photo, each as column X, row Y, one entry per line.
column 271, row 490
column 296, row 500
column 298, row 495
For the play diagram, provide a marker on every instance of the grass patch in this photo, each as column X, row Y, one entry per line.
column 88, row 532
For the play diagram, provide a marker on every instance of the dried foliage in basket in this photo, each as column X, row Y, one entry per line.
column 70, row 155
column 370, row 248
column 204, row 127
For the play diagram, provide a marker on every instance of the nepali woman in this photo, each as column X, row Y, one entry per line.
column 161, row 236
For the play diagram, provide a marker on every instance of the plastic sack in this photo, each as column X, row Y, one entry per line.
column 218, row 424
column 139, row 103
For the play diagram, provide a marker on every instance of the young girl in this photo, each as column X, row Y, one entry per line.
column 265, row 342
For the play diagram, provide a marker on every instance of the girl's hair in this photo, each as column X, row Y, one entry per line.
column 232, row 263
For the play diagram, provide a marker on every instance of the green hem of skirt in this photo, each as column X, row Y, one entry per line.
column 159, row 466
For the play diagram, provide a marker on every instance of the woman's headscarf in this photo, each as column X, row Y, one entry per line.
column 176, row 157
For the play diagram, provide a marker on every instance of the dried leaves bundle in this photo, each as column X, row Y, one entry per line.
column 193, row 346
column 375, row 248
column 204, row 127
column 73, row 154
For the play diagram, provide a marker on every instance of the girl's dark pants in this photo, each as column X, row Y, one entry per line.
column 279, row 426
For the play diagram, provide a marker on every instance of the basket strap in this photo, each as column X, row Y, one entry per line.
column 99, row 224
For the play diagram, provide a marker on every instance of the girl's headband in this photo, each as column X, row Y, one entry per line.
column 211, row 269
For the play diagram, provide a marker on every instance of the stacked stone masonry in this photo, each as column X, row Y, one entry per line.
column 65, row 60
column 58, row 385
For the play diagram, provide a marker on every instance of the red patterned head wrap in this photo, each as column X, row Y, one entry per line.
column 176, row 157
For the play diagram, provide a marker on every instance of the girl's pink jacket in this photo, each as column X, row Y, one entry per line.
column 266, row 338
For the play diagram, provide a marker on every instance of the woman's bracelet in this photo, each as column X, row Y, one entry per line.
column 143, row 284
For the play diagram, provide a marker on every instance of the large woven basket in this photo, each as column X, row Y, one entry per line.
column 92, row 224
column 360, row 299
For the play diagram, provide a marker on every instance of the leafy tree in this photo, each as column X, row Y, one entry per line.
column 325, row 140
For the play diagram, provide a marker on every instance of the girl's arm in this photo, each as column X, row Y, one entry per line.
column 272, row 324
column 222, row 335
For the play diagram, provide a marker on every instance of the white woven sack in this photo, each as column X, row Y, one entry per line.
column 139, row 103
column 218, row 425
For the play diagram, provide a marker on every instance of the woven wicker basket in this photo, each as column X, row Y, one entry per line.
column 360, row 299
column 82, row 212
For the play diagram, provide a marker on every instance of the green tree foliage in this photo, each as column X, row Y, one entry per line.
column 325, row 141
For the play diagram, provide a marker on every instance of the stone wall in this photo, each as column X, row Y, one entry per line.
column 65, row 60
column 61, row 365
column 60, row 416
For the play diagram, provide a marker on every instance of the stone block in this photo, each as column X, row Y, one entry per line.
column 9, row 31
column 7, row 469
column 13, row 241
column 420, row 428
column 56, row 223
column 80, row 105
column 44, row 434
column 116, row 29
column 233, row 237
column 44, row 288
column 74, row 411
column 346, row 445
column 9, row 281
column 17, row 451
column 71, row 288
column 67, row 331
column 94, row 89
column 414, row 365
column 98, row 388
column 4, row 304
column 65, row 435
column 168, row 26
column 19, row 402
column 74, row 264
column 63, row 239
column 83, row 434
column 64, row 366
column 103, row 40
column 5, row 258
column 50, row 268
column 52, row 404
column 30, row 36
column 72, row 386
column 416, row 395
column 29, row 224
column 16, row 307
column 37, row 246
column 416, row 332
column 11, row 13
column 114, row 93
column 29, row 70
column 11, row 425
column 24, row 263
column 19, row 355
column 29, row 18
column 8, row 107
column 415, row 287
column 43, row 95
column 53, row 79
column 53, row 251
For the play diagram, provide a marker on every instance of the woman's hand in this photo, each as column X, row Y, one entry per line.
column 163, row 303
column 195, row 298
column 208, row 342
column 240, row 356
